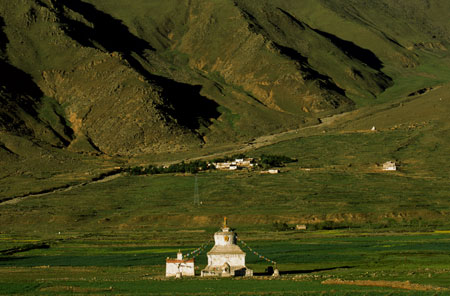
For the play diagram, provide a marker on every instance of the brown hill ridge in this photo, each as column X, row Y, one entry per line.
column 127, row 78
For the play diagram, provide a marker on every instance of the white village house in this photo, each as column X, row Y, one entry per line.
column 226, row 258
column 179, row 267
column 238, row 163
column 389, row 166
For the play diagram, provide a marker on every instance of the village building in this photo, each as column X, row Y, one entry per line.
column 271, row 171
column 239, row 163
column 226, row 258
column 389, row 166
column 179, row 267
column 222, row 165
column 300, row 227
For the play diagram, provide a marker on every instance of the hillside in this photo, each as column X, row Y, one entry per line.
column 95, row 85
column 119, row 78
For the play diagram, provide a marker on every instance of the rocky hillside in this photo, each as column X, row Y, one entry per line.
column 132, row 77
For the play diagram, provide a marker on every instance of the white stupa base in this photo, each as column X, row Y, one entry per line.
column 220, row 272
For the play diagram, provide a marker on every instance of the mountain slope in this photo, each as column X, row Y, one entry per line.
column 109, row 103
column 116, row 77
column 19, row 100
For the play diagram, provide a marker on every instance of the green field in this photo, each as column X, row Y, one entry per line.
column 134, row 264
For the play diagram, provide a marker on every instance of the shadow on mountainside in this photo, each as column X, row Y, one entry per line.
column 347, row 47
column 363, row 55
column 3, row 37
column 183, row 101
column 18, row 84
column 20, row 95
column 301, row 24
column 325, row 82
column 306, row 70
column 353, row 51
column 187, row 105
column 107, row 32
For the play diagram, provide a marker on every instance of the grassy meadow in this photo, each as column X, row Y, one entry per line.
column 339, row 180
column 311, row 263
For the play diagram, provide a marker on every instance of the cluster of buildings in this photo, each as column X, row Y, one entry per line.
column 248, row 163
column 237, row 164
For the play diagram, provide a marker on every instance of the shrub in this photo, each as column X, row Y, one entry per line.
column 182, row 167
column 281, row 226
column 274, row 160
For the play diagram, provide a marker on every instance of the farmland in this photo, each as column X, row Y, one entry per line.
column 133, row 264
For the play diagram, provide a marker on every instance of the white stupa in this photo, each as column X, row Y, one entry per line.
column 226, row 258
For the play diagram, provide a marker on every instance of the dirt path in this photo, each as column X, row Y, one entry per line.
column 268, row 140
column 106, row 178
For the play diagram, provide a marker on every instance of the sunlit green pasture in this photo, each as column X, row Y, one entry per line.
column 108, row 265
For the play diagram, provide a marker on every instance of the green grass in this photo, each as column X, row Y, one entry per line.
column 203, row 287
column 337, row 177
column 133, row 266
column 432, row 71
column 229, row 118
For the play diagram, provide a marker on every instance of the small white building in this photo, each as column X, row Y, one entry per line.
column 389, row 166
column 238, row 163
column 179, row 267
column 300, row 227
column 222, row 165
column 226, row 258
column 271, row 171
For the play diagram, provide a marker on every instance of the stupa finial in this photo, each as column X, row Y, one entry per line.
column 225, row 222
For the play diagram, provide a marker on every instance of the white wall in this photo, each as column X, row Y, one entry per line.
column 186, row 269
column 234, row 260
